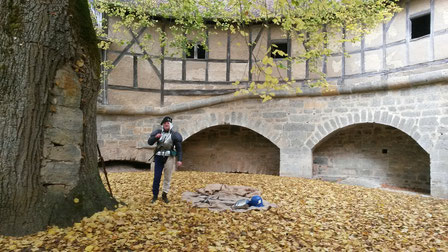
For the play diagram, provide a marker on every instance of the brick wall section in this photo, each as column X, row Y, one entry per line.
column 374, row 151
column 230, row 149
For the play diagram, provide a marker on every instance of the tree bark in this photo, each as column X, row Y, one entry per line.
column 49, row 75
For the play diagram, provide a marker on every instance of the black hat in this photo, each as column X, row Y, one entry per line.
column 166, row 119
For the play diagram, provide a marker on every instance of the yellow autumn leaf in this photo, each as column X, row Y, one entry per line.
column 80, row 63
column 89, row 248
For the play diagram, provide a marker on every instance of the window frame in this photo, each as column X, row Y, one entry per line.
column 276, row 42
column 195, row 53
column 419, row 15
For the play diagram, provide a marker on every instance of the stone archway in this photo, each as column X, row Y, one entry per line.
column 207, row 120
column 379, row 153
column 406, row 125
column 230, row 148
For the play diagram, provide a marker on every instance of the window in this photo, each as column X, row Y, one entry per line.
column 420, row 26
column 190, row 53
column 200, row 52
column 282, row 45
column 196, row 52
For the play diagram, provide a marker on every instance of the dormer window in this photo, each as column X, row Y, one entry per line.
column 420, row 25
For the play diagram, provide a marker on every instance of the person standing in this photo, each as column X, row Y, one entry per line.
column 169, row 147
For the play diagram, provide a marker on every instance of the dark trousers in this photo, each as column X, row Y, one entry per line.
column 159, row 164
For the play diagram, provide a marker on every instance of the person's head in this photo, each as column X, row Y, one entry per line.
column 166, row 123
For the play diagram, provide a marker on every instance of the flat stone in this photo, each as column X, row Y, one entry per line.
column 65, row 173
column 67, row 119
column 64, row 153
column 111, row 129
column 298, row 127
column 63, row 137
column 274, row 115
column 428, row 121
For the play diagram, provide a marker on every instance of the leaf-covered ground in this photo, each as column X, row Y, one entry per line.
column 311, row 215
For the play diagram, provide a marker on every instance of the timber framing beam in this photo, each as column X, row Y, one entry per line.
column 421, row 79
column 126, row 49
column 162, row 72
column 288, row 43
column 252, row 45
column 228, row 57
column 148, row 58
column 206, row 55
column 177, row 92
column 251, row 48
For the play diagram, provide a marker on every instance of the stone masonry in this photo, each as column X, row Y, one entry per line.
column 63, row 133
column 228, row 148
column 296, row 125
column 374, row 151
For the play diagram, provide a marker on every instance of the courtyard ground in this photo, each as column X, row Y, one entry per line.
column 311, row 215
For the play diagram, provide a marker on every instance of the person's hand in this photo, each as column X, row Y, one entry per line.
column 158, row 136
column 179, row 163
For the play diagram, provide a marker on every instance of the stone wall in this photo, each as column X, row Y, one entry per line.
column 375, row 151
column 296, row 124
column 63, row 134
column 230, row 149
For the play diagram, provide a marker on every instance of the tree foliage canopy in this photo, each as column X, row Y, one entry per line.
column 311, row 25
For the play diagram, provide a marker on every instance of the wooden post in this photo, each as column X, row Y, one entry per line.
column 228, row 57
column 206, row 55
column 162, row 72
column 288, row 43
column 250, row 54
column 135, row 66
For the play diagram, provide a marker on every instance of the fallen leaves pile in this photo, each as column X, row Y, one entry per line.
column 311, row 214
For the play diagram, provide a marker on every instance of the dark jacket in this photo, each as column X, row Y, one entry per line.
column 175, row 136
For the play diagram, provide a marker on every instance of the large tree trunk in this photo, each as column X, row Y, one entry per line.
column 49, row 75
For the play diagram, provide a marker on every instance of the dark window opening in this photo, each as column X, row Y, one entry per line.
column 200, row 52
column 421, row 26
column 196, row 52
column 190, row 53
column 384, row 151
column 281, row 46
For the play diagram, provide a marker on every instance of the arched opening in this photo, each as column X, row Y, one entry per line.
column 377, row 152
column 229, row 148
column 117, row 165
